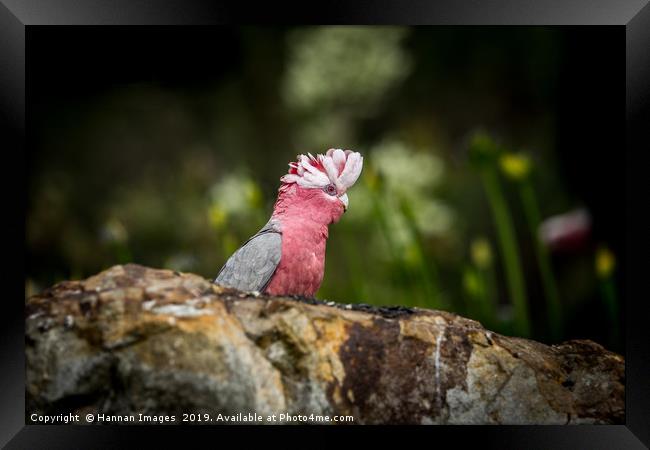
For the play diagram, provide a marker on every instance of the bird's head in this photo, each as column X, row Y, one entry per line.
column 317, row 186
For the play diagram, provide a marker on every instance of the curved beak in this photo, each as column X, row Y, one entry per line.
column 344, row 200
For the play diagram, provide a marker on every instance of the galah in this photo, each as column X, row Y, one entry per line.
column 287, row 256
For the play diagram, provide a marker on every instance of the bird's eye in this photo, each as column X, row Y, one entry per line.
column 330, row 189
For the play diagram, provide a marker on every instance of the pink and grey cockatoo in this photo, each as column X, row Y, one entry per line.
column 287, row 256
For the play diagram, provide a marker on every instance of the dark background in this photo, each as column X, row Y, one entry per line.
column 128, row 119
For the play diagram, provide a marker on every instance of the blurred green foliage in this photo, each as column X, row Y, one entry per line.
column 179, row 177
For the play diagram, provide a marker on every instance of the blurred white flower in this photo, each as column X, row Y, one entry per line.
column 114, row 231
column 234, row 195
column 343, row 65
column 410, row 177
column 404, row 171
column 433, row 217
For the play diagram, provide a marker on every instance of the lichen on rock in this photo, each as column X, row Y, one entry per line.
column 136, row 340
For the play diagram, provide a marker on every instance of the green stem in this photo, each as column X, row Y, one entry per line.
column 382, row 220
column 355, row 270
column 608, row 291
column 509, row 249
column 480, row 302
column 533, row 216
column 427, row 269
column 486, row 276
column 123, row 253
column 473, row 309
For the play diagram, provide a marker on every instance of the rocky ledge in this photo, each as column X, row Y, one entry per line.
column 134, row 340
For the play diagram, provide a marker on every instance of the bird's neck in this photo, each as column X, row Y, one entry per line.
column 293, row 220
column 293, row 209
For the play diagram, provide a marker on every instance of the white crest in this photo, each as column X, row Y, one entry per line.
column 338, row 167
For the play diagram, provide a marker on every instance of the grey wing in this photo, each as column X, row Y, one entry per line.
column 251, row 267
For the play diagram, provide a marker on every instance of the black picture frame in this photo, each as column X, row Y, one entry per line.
column 16, row 16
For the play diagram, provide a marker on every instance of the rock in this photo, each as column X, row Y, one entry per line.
column 133, row 340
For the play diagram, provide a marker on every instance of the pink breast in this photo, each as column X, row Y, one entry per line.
column 302, row 264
